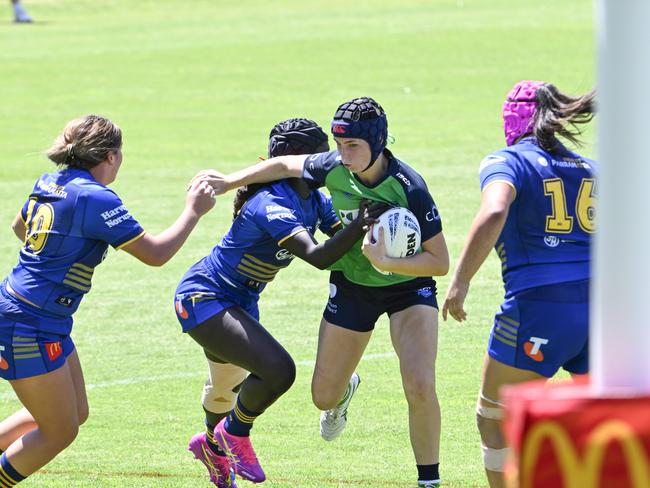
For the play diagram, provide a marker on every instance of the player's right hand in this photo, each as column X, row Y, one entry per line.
column 455, row 300
column 201, row 197
column 217, row 180
column 369, row 212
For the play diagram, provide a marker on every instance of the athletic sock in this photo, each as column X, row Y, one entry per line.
column 209, row 437
column 8, row 475
column 428, row 472
column 240, row 420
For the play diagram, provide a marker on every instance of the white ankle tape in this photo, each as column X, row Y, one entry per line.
column 494, row 459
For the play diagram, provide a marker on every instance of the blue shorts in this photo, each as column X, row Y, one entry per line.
column 25, row 348
column 200, row 295
column 357, row 307
column 544, row 329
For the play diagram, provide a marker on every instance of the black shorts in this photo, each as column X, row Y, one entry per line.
column 357, row 307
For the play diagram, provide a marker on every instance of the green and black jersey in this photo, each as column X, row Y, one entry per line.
column 401, row 186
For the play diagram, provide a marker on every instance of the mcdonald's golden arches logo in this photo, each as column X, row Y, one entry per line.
column 584, row 471
column 53, row 349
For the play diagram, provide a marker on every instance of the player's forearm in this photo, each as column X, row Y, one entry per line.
column 270, row 170
column 327, row 253
column 422, row 264
column 156, row 250
column 482, row 237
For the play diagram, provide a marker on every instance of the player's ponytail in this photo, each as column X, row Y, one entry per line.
column 85, row 142
column 560, row 114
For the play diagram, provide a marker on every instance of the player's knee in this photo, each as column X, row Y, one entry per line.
column 221, row 388
column 493, row 445
column 283, row 374
column 324, row 398
column 83, row 412
column 419, row 387
column 62, row 433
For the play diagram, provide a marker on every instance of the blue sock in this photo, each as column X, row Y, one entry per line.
column 8, row 475
column 240, row 420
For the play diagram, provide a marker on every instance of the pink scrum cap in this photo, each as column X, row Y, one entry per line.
column 519, row 110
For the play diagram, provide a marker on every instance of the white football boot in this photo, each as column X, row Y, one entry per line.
column 332, row 422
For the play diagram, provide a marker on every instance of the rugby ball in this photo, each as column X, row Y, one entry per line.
column 401, row 232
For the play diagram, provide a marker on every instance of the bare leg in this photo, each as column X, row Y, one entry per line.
column 15, row 426
column 52, row 399
column 495, row 375
column 339, row 353
column 414, row 332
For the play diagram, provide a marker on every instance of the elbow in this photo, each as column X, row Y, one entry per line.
column 154, row 261
column 496, row 213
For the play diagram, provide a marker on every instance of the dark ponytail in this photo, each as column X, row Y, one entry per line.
column 560, row 114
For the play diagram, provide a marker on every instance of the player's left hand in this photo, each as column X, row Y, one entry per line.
column 455, row 300
column 375, row 251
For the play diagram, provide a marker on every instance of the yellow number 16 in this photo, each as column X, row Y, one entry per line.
column 560, row 222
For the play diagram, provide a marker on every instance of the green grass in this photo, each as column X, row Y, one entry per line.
column 199, row 84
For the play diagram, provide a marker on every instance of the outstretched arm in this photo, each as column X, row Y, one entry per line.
column 324, row 254
column 156, row 250
column 483, row 234
column 271, row 169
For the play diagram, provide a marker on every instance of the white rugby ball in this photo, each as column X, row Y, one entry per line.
column 401, row 232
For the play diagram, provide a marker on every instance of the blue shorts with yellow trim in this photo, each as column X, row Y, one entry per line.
column 544, row 329
column 25, row 348
column 200, row 295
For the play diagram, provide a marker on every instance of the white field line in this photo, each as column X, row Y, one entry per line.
column 9, row 395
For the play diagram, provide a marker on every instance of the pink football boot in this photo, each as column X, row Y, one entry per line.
column 240, row 452
column 219, row 469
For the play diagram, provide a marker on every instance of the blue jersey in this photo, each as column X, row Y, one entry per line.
column 251, row 253
column 71, row 219
column 547, row 235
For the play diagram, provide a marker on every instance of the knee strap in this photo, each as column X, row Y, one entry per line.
column 492, row 413
column 220, row 390
column 494, row 459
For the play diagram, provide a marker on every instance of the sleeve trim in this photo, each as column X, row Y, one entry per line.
column 117, row 248
column 509, row 183
column 291, row 235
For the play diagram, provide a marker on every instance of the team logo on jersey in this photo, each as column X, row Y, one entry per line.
column 180, row 310
column 406, row 181
column 542, row 161
column 53, row 350
column 552, row 241
column 533, row 348
column 283, row 254
column 274, row 212
column 433, row 215
column 3, row 362
column 347, row 216
column 65, row 301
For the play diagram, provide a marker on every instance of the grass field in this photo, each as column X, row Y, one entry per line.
column 199, row 84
